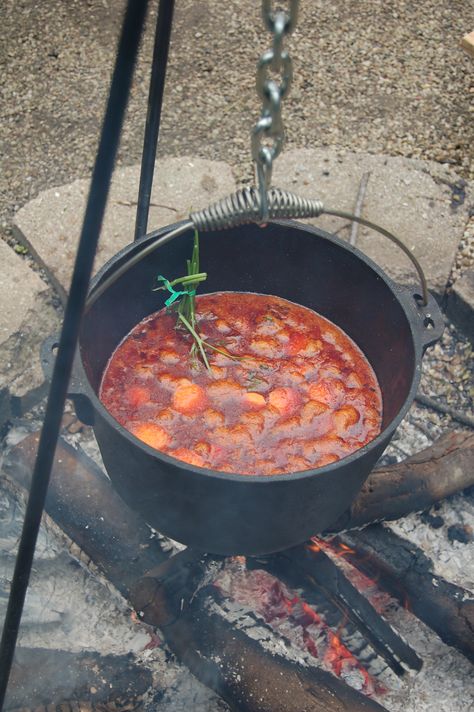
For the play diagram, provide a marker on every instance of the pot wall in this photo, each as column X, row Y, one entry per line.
column 231, row 514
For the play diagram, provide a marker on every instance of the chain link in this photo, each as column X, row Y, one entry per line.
column 268, row 134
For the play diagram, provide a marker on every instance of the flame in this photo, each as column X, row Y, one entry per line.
column 336, row 549
column 314, row 544
column 344, row 550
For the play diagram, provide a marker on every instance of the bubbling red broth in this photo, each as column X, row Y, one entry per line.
column 294, row 393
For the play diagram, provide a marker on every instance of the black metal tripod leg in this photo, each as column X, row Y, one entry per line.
column 99, row 189
column 153, row 117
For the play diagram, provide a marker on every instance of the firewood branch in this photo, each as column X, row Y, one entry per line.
column 441, row 470
column 227, row 660
column 405, row 571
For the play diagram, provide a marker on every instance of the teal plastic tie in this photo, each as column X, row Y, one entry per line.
column 175, row 294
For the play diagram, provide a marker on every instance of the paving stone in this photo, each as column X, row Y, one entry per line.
column 461, row 304
column 423, row 203
column 50, row 224
column 27, row 317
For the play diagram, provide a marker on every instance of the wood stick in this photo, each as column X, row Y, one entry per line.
column 247, row 678
column 43, row 677
column 447, row 409
column 234, row 665
column 402, row 569
column 307, row 568
column 391, row 492
column 86, row 507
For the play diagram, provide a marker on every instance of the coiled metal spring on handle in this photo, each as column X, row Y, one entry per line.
column 245, row 207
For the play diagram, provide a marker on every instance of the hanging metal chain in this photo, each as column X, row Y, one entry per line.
column 268, row 134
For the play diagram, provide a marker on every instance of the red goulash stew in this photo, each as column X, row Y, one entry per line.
column 301, row 394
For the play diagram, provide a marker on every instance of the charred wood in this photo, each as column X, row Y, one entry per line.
column 402, row 569
column 86, row 507
column 307, row 568
column 389, row 493
column 52, row 677
column 249, row 678
column 441, row 470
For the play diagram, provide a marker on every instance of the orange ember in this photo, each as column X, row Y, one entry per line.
column 279, row 605
column 338, row 550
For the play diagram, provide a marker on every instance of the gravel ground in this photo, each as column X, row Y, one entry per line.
column 383, row 77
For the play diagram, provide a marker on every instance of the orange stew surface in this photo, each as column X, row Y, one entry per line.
column 300, row 394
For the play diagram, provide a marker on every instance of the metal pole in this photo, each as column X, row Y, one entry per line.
column 153, row 118
column 104, row 163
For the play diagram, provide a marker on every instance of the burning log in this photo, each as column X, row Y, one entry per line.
column 59, row 676
column 249, row 678
column 403, row 570
column 86, row 507
column 439, row 471
column 309, row 567
column 224, row 658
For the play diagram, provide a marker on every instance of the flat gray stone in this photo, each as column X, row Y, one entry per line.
column 423, row 203
column 27, row 317
column 50, row 224
column 461, row 304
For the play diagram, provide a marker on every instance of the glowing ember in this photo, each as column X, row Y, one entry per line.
column 291, row 617
column 338, row 550
column 380, row 600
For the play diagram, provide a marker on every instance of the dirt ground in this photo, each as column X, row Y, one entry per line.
column 384, row 77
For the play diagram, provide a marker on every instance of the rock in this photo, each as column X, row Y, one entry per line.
column 419, row 201
column 461, row 304
column 27, row 317
column 50, row 224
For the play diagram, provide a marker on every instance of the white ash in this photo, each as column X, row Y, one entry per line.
column 444, row 684
column 69, row 607
column 185, row 693
column 254, row 627
column 452, row 560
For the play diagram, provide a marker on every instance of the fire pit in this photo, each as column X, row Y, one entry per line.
column 197, row 598
column 288, row 614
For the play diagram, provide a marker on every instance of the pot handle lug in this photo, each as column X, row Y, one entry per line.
column 427, row 319
column 75, row 391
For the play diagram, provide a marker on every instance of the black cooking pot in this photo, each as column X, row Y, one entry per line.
column 234, row 514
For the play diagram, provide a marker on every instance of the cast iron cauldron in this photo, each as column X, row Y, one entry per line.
column 235, row 514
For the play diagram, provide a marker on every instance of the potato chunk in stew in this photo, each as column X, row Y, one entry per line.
column 297, row 393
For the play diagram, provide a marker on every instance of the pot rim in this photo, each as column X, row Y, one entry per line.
column 397, row 291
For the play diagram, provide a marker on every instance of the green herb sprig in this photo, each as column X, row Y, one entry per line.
column 186, row 301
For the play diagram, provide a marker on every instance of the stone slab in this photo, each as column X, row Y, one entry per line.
column 423, row 203
column 461, row 304
column 27, row 317
column 50, row 224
